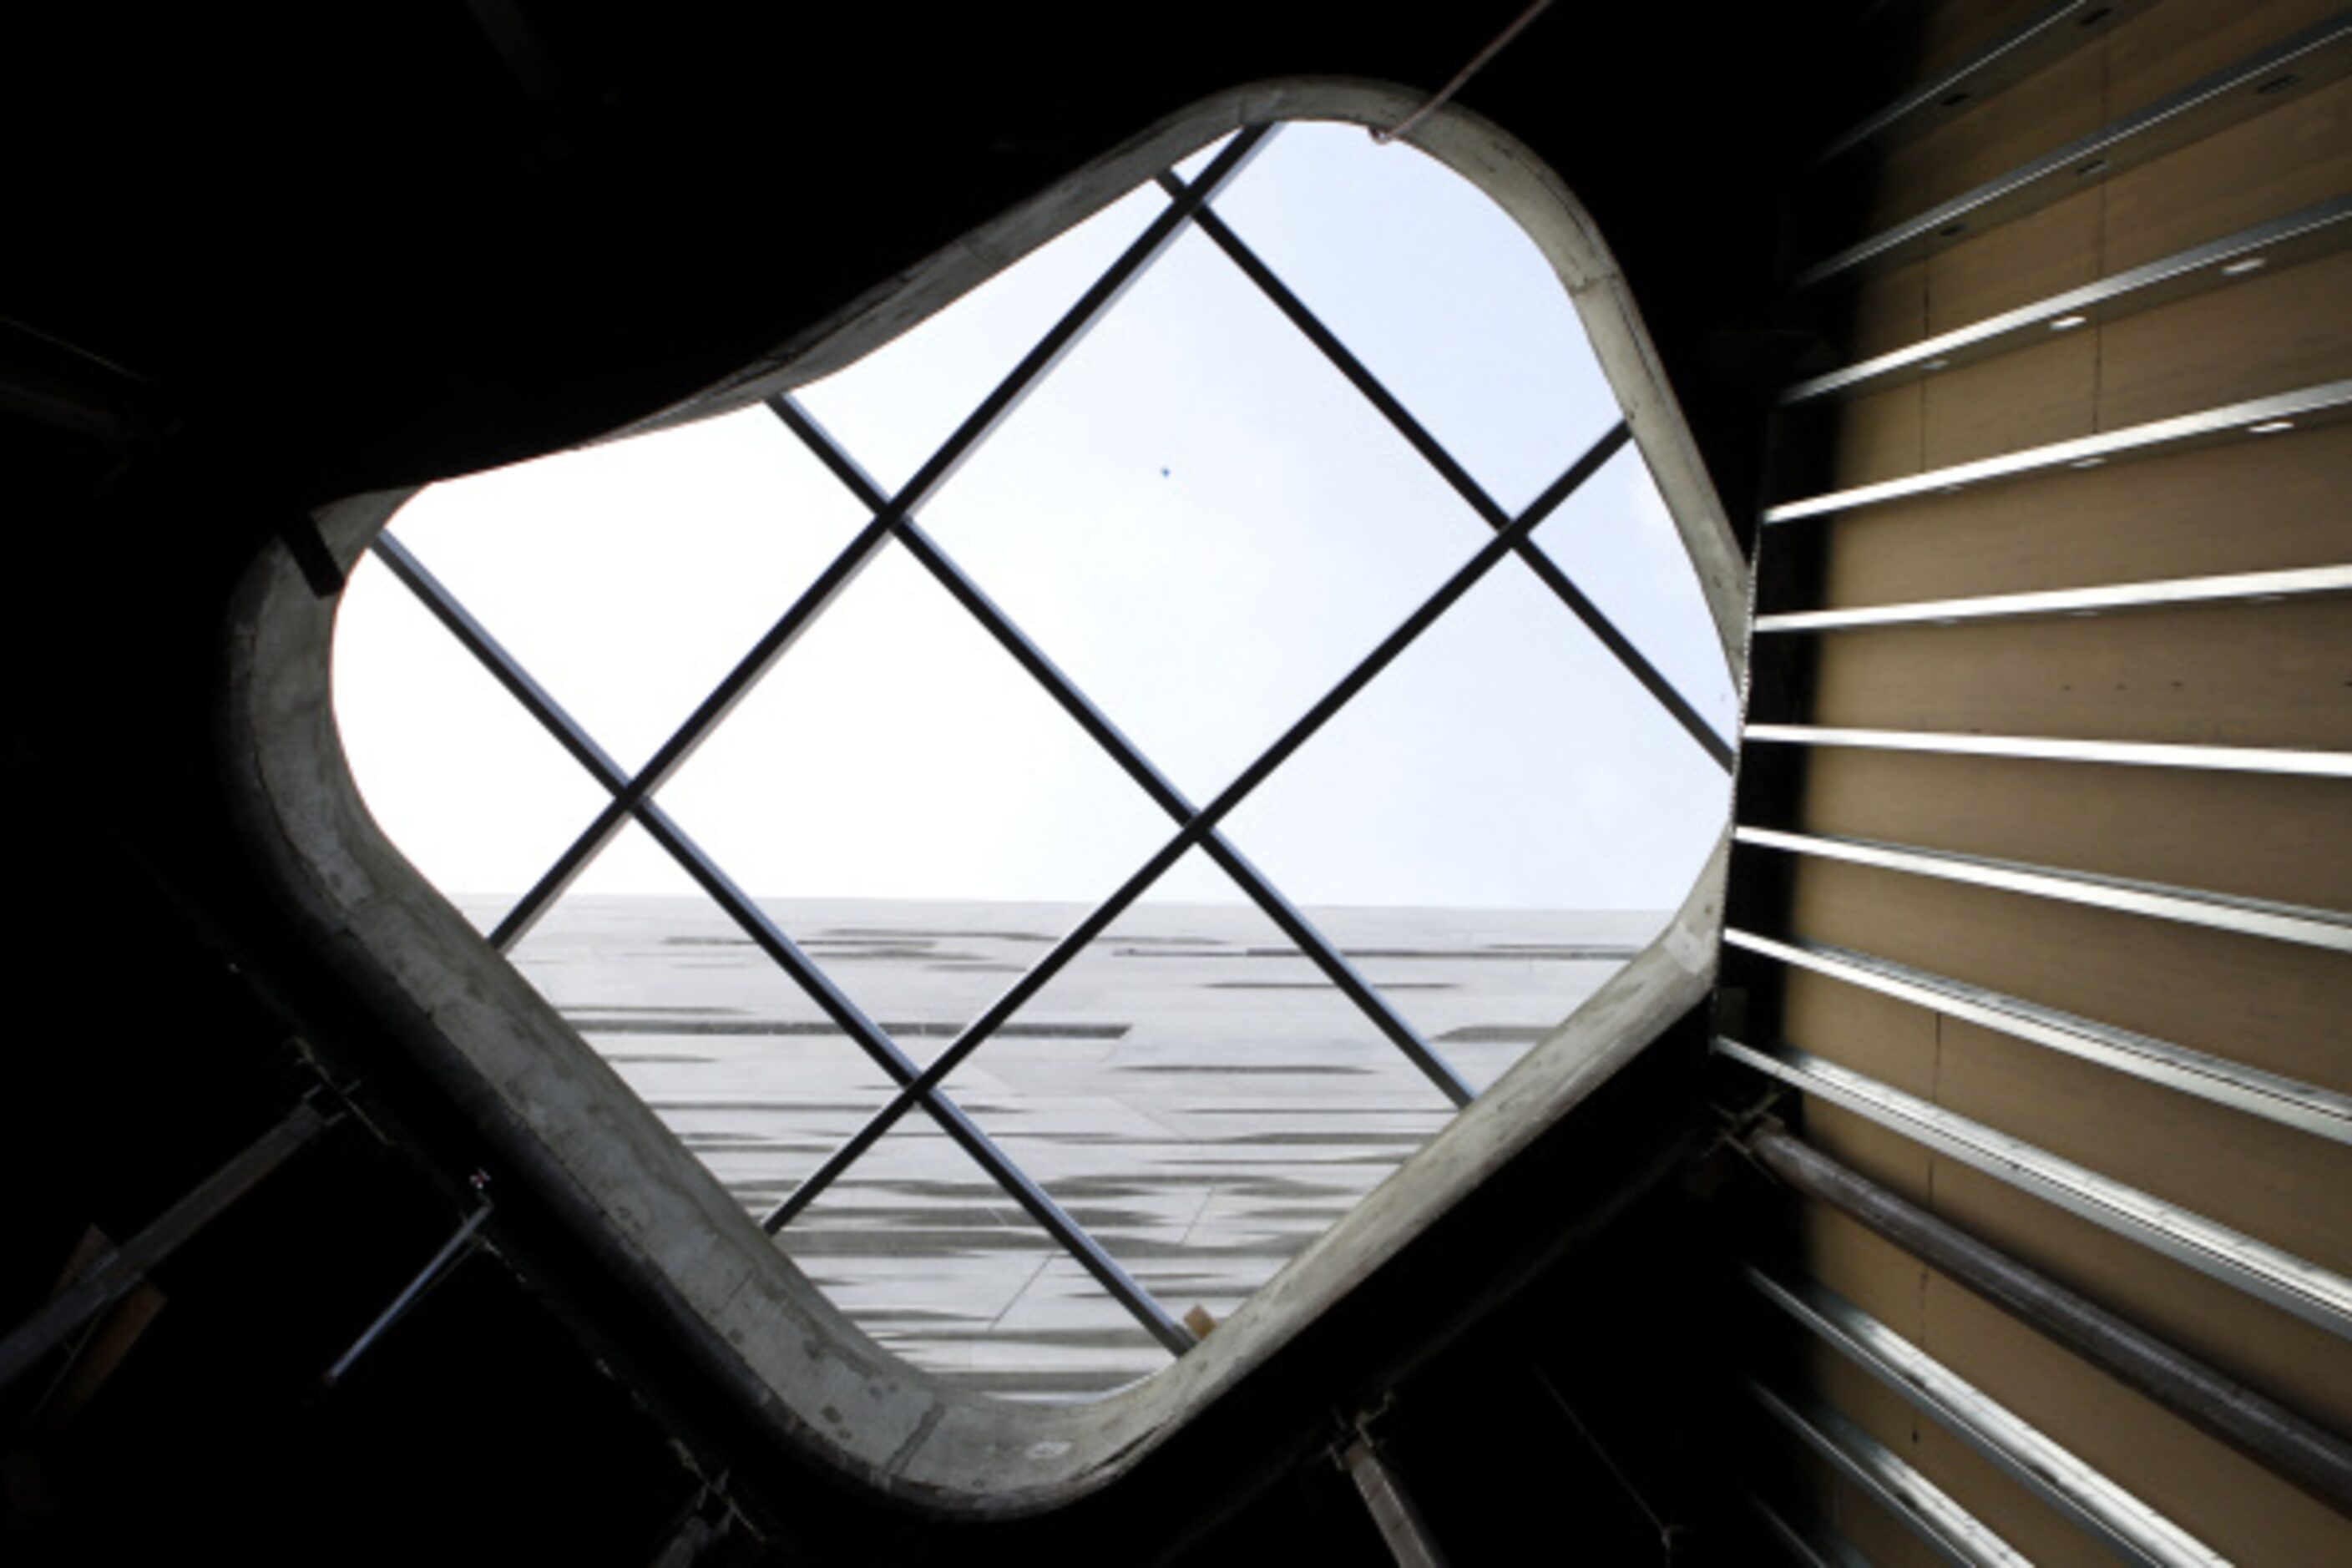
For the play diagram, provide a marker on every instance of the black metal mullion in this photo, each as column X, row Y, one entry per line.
column 1001, row 401
column 772, row 940
column 1546, row 569
column 1204, row 821
column 1288, row 917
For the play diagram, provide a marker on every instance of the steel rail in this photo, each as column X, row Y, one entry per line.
column 772, row 940
column 1919, row 1504
column 1546, row 569
column 2063, row 749
column 2265, row 1431
column 2319, row 1296
column 2265, row 918
column 2162, row 594
column 2288, row 1102
column 2077, row 1490
column 1072, row 325
column 1131, row 760
column 1204, row 821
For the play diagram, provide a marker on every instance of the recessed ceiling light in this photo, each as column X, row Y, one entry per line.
column 2270, row 427
column 2067, row 323
column 2240, row 268
column 2086, row 462
column 1937, row 365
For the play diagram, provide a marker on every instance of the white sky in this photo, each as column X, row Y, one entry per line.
column 1195, row 515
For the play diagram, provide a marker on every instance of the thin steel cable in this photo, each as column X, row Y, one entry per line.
column 1444, row 95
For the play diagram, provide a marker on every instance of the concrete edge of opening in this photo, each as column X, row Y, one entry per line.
column 603, row 1160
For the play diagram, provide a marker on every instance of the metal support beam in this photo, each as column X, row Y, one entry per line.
column 2060, row 749
column 2305, row 1107
column 1919, row 1504
column 1400, row 1523
column 117, row 1273
column 2259, row 416
column 2319, row 1296
column 2172, row 593
column 2265, row 1431
column 2262, row 81
column 2078, row 1492
column 2265, row 918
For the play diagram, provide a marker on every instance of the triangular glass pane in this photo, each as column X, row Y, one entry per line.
column 1212, row 1103
column 1513, row 812
column 1616, row 541
column 732, row 1054
column 1200, row 519
column 1437, row 289
column 893, row 408
column 453, row 769
column 628, row 578
column 896, row 753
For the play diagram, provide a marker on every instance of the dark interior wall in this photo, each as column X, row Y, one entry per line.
column 268, row 258
column 2263, row 673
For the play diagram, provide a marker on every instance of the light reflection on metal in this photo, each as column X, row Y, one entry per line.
column 2080, row 1492
column 2315, row 1294
column 2161, row 594
column 2329, row 400
column 2287, row 1101
column 1923, row 1508
column 2308, row 59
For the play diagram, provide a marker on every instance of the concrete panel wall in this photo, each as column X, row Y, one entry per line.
column 2249, row 674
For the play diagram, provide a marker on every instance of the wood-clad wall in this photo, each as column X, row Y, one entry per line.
column 2269, row 675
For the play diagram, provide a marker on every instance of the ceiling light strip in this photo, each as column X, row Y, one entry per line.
column 2287, row 1101
column 2056, row 749
column 1546, row 569
column 2298, row 409
column 2278, row 921
column 1205, row 820
column 2317, row 1295
column 1325, row 954
column 2081, row 1492
column 2257, row 83
column 771, row 939
column 1920, row 1505
column 2301, row 582
column 2049, row 35
column 2322, row 229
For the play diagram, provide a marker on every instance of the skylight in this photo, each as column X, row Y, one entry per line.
column 1207, row 776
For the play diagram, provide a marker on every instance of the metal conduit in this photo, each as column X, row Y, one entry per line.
column 2272, row 1435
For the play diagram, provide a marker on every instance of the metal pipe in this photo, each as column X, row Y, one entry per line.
column 2315, row 1460
column 114, row 1275
column 437, row 1266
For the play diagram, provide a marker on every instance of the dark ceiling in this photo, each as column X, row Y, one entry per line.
column 262, row 257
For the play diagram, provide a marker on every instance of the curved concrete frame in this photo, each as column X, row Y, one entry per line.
column 599, row 1157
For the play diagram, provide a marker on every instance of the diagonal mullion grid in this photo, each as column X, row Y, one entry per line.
column 1130, row 758
column 632, row 795
column 1197, row 827
column 861, row 551
column 1545, row 568
column 781, row 949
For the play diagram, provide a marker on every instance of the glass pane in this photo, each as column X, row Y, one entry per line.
column 1201, row 520
column 1506, row 791
column 453, row 769
column 733, row 1056
column 896, row 753
column 1437, row 289
column 629, row 578
column 894, row 407
column 1616, row 541
column 1225, row 1104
